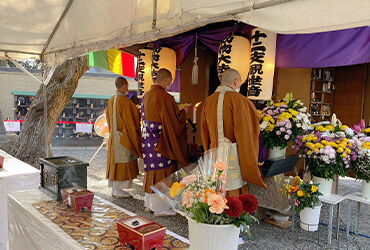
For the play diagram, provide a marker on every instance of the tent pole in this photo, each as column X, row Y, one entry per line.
column 45, row 82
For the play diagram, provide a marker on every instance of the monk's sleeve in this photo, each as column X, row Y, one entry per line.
column 204, row 129
column 131, row 136
column 173, row 142
column 246, row 132
column 108, row 115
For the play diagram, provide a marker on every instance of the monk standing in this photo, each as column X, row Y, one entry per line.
column 164, row 139
column 124, row 143
column 228, row 116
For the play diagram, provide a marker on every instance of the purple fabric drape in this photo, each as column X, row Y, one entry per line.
column 326, row 49
column 263, row 153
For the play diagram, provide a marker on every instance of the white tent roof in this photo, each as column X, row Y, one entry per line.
column 61, row 29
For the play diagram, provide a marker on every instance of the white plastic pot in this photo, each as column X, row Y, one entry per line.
column 276, row 152
column 211, row 237
column 325, row 185
column 365, row 190
column 310, row 218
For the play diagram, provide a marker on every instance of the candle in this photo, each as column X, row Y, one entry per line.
column 194, row 115
column 195, row 112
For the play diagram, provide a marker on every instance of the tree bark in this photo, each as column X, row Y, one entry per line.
column 30, row 145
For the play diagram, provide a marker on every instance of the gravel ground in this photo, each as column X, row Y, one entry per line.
column 264, row 235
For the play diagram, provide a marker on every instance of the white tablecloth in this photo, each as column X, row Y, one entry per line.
column 29, row 229
column 14, row 176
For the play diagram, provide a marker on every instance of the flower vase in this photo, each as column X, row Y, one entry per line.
column 209, row 237
column 325, row 185
column 277, row 152
column 310, row 218
column 365, row 190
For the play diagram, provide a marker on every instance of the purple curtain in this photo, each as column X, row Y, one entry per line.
column 326, row 49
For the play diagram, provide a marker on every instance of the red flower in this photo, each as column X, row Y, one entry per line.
column 235, row 207
column 250, row 202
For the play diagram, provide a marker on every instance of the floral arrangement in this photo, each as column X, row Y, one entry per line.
column 304, row 193
column 328, row 150
column 361, row 140
column 203, row 199
column 283, row 121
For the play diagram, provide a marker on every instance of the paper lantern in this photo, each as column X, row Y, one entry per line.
column 261, row 77
column 163, row 58
column 234, row 52
column 144, row 65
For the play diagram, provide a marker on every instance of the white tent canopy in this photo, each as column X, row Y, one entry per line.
column 56, row 30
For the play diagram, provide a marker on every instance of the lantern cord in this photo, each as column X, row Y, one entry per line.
column 194, row 75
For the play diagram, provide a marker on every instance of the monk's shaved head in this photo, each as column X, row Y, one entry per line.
column 162, row 74
column 229, row 76
column 120, row 82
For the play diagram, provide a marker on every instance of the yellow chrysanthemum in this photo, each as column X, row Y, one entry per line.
column 313, row 189
column 340, row 150
column 176, row 189
column 300, row 193
column 344, row 155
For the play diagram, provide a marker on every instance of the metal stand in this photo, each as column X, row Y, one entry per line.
column 194, row 129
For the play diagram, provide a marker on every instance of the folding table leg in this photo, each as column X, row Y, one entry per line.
column 330, row 227
column 357, row 216
column 348, row 218
column 338, row 212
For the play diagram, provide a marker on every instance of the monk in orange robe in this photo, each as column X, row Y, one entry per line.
column 238, row 118
column 121, row 174
column 164, row 139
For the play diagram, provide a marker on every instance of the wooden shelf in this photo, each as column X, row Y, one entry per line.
column 323, row 99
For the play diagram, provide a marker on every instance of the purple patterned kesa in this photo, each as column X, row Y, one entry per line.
column 151, row 132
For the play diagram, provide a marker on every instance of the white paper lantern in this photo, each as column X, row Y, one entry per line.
column 163, row 57
column 261, row 78
column 144, row 73
column 234, row 52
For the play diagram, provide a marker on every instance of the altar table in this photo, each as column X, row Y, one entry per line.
column 14, row 176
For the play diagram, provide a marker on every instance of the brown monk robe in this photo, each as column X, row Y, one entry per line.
column 240, row 125
column 120, row 175
column 164, row 139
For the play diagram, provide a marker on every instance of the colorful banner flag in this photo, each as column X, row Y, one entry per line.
column 114, row 60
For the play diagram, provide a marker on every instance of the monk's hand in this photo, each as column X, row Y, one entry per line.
column 186, row 109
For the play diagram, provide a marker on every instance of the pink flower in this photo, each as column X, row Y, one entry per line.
column 220, row 166
column 188, row 179
column 222, row 177
column 286, row 137
column 222, row 190
column 217, row 203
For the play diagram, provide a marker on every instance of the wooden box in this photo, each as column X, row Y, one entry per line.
column 141, row 233
column 77, row 198
column 62, row 172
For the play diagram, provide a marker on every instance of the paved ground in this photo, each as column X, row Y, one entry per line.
column 264, row 235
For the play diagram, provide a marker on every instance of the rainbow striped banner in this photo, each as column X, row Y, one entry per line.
column 114, row 60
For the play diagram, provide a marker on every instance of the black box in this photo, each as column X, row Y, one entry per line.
column 278, row 166
column 62, row 172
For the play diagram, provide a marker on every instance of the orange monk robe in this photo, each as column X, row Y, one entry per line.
column 241, row 125
column 128, row 122
column 159, row 106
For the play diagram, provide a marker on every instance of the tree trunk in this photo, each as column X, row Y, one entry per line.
column 30, row 145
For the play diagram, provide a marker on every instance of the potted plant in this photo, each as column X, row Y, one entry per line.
column 361, row 164
column 199, row 194
column 328, row 151
column 306, row 198
column 282, row 122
